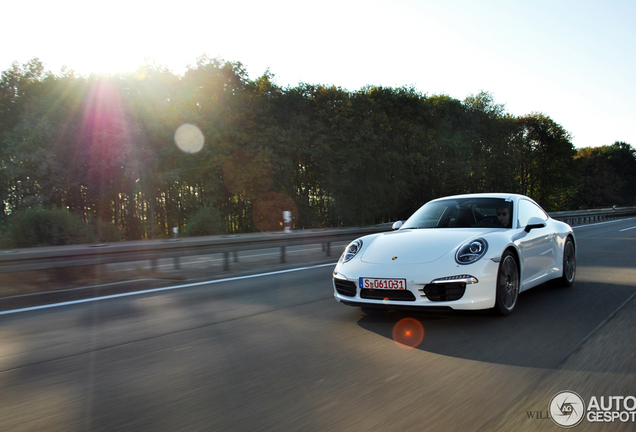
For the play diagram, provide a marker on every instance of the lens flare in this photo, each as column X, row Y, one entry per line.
column 408, row 333
column 189, row 138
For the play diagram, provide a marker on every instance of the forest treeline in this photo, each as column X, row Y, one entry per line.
column 101, row 150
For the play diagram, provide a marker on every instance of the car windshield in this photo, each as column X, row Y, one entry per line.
column 462, row 213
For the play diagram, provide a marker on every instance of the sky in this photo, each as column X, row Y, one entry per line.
column 572, row 60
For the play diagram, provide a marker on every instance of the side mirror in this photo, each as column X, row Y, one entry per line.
column 534, row 223
column 398, row 225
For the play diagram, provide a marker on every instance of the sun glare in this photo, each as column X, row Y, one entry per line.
column 107, row 65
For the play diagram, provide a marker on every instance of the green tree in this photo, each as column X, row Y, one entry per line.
column 545, row 169
column 206, row 221
column 103, row 148
column 495, row 155
column 607, row 176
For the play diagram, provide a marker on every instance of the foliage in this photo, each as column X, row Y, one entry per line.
column 545, row 169
column 607, row 176
column 206, row 221
column 54, row 227
column 103, row 148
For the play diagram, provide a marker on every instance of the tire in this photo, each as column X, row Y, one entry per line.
column 507, row 291
column 569, row 265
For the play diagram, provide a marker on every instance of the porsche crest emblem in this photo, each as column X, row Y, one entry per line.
column 393, row 259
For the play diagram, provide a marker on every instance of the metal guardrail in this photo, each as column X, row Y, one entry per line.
column 18, row 260
column 595, row 215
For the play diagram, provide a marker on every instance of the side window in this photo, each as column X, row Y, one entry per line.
column 527, row 210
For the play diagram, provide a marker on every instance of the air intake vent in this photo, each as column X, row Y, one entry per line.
column 445, row 291
column 345, row 287
column 378, row 294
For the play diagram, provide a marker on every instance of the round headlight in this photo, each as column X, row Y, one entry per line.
column 475, row 247
column 351, row 250
column 471, row 251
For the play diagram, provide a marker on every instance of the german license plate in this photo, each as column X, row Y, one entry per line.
column 387, row 284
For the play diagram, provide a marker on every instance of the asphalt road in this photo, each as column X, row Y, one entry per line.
column 277, row 353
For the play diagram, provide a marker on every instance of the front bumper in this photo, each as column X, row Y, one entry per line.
column 470, row 287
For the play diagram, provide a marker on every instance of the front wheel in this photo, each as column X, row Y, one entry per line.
column 507, row 284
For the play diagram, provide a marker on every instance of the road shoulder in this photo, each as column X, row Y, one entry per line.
column 603, row 365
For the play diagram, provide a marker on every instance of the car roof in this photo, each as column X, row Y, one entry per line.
column 498, row 195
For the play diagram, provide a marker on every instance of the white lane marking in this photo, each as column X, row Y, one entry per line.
column 78, row 289
column 154, row 290
column 627, row 229
column 600, row 223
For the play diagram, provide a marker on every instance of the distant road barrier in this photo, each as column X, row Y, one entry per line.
column 589, row 216
column 19, row 260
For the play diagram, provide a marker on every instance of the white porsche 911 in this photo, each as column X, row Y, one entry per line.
column 469, row 252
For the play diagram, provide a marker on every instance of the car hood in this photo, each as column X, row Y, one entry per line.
column 416, row 246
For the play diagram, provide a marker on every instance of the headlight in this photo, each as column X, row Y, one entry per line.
column 471, row 251
column 351, row 251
